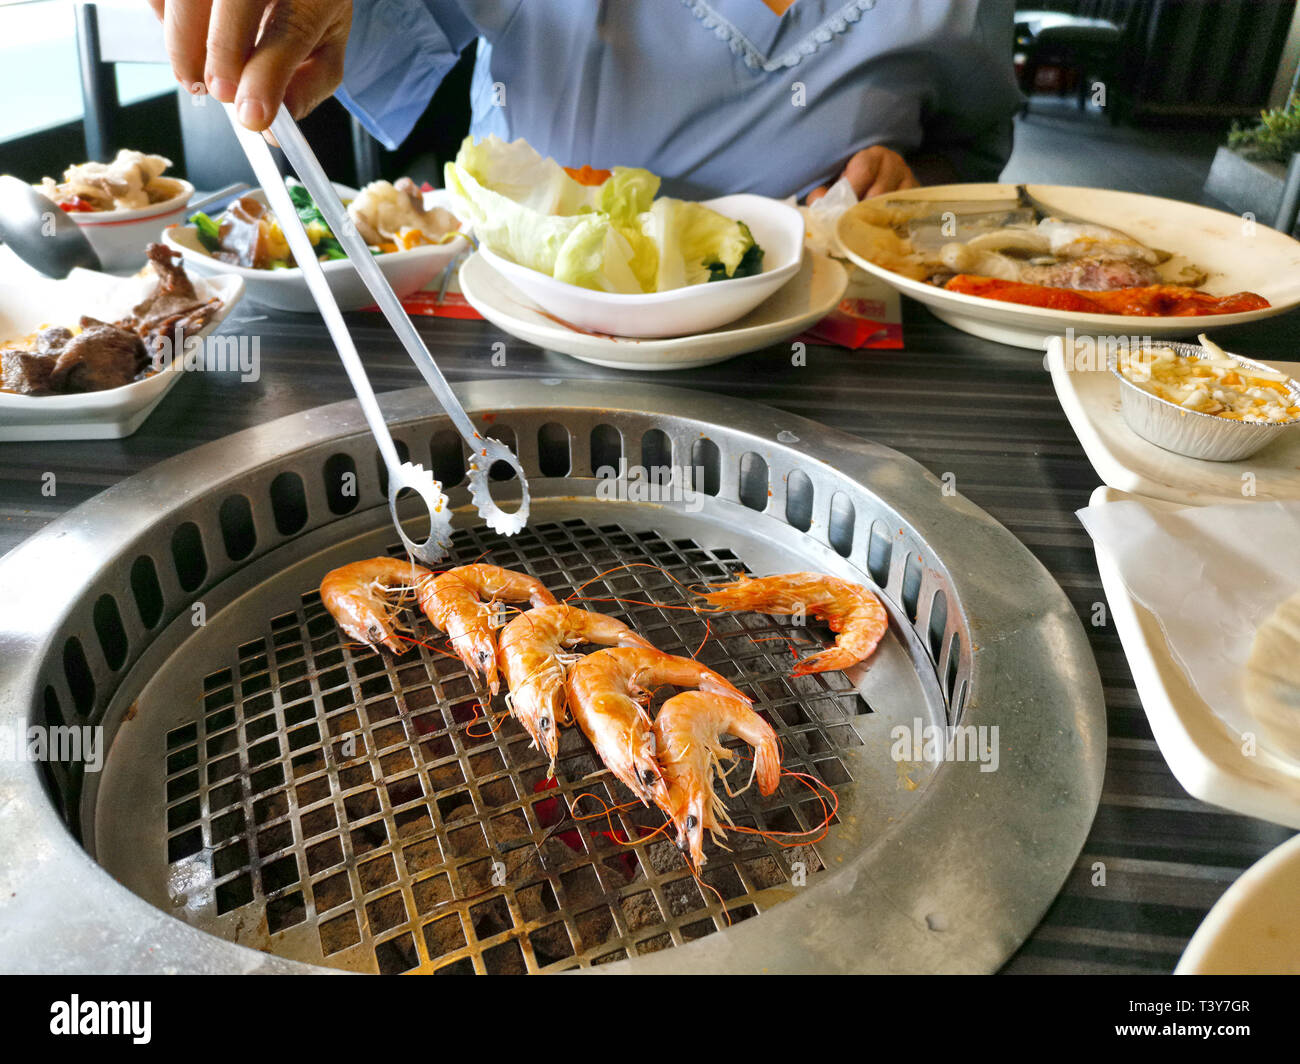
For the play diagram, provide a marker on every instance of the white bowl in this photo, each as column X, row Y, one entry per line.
column 406, row 271
column 777, row 228
column 1254, row 929
column 120, row 237
column 29, row 302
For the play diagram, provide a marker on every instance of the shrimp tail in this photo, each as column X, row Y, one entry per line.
column 827, row 660
column 712, row 683
column 729, row 596
column 767, row 763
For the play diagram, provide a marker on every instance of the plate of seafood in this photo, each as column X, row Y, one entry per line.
column 1019, row 264
column 504, row 624
column 1162, row 457
column 98, row 370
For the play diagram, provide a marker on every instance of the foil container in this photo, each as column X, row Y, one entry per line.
column 1192, row 433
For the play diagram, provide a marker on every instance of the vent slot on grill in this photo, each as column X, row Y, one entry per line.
column 553, row 457
column 188, row 556
column 706, row 466
column 340, row 477
column 237, row 531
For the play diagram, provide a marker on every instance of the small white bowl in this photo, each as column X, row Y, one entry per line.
column 777, row 228
column 406, row 271
column 1254, row 929
column 120, row 237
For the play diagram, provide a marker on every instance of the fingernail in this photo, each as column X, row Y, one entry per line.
column 222, row 88
column 252, row 113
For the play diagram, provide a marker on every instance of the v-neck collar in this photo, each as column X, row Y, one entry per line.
column 767, row 41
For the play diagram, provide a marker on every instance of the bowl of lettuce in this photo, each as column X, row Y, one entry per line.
column 602, row 251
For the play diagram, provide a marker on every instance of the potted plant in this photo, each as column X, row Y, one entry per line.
column 1250, row 172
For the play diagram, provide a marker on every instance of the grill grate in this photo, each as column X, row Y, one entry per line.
column 265, row 830
column 338, row 806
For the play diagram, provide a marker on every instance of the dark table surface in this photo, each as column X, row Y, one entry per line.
column 984, row 412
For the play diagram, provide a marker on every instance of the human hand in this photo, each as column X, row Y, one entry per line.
column 258, row 54
column 872, row 171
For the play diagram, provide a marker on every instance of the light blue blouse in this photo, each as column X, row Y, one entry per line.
column 717, row 97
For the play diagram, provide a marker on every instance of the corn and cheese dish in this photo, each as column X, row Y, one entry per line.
column 1214, row 384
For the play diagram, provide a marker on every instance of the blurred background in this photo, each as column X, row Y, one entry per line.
column 81, row 80
column 1138, row 95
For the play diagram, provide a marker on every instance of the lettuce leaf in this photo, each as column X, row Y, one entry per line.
column 696, row 244
column 597, row 255
column 522, row 234
column 627, row 193
column 517, row 172
column 612, row 237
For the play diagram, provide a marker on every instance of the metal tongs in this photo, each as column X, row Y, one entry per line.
column 484, row 451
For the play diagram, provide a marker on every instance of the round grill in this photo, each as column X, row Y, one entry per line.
column 270, row 786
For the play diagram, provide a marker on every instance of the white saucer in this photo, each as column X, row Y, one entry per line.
column 1202, row 753
column 1254, row 929
column 1127, row 462
column 806, row 298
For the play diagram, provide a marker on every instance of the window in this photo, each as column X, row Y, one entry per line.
column 40, row 85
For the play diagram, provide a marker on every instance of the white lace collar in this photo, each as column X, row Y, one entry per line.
column 753, row 56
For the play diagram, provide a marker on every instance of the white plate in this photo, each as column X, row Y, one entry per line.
column 29, row 302
column 1238, row 259
column 1203, row 754
column 777, row 228
column 812, row 294
column 1124, row 460
column 1254, row 929
column 406, row 271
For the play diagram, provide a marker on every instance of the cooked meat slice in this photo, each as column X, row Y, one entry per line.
column 175, row 327
column 173, row 309
column 100, row 356
column 52, row 340
column 28, row 372
column 174, row 285
column 1092, row 275
column 25, row 372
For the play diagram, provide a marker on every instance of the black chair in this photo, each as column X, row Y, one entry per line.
column 107, row 35
column 1088, row 48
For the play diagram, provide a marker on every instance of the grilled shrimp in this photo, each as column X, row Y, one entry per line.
column 601, row 689
column 530, row 654
column 853, row 612
column 461, row 602
column 687, row 731
column 360, row 597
